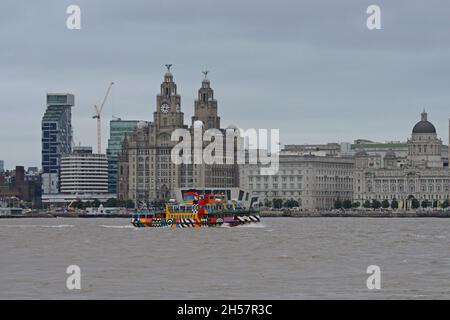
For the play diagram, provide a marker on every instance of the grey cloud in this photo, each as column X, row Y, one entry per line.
column 310, row 68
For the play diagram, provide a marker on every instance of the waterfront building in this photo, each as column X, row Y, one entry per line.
column 145, row 170
column 21, row 184
column 420, row 175
column 83, row 177
column 2, row 165
column 4, row 186
column 118, row 130
column 380, row 148
column 345, row 149
column 424, row 147
column 315, row 182
column 83, row 172
column 377, row 151
column 56, row 128
column 329, row 149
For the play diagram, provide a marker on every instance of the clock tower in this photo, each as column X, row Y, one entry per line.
column 168, row 115
column 205, row 108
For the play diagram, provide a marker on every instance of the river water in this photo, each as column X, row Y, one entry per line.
column 282, row 258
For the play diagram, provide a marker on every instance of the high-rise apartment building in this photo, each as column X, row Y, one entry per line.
column 56, row 138
column 118, row 130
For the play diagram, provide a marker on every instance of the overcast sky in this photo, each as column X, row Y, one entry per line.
column 310, row 68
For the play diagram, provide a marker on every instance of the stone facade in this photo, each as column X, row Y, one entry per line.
column 421, row 175
column 424, row 147
column 316, row 182
column 145, row 169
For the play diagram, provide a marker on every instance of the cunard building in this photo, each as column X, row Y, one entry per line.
column 315, row 182
column 145, row 169
column 422, row 175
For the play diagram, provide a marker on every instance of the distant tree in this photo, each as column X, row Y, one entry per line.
column 338, row 204
column 415, row 203
column 376, row 204
column 425, row 204
column 112, row 203
column 435, row 204
column 356, row 204
column 267, row 203
column 129, row 204
column 277, row 203
column 385, row 204
column 394, row 204
column 347, row 204
column 445, row 204
column 96, row 203
column 366, row 204
column 78, row 205
column 290, row 203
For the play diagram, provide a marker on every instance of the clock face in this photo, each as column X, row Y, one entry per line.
column 178, row 108
column 165, row 108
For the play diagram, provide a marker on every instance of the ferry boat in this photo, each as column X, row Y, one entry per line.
column 197, row 211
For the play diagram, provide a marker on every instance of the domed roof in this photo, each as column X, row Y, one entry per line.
column 168, row 75
column 424, row 126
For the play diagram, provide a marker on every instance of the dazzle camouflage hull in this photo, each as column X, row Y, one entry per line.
column 197, row 211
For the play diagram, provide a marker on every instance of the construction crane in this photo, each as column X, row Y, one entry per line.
column 98, row 112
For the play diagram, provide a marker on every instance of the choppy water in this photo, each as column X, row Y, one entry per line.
column 285, row 258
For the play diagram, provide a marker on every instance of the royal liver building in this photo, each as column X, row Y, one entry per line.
column 145, row 169
column 420, row 175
